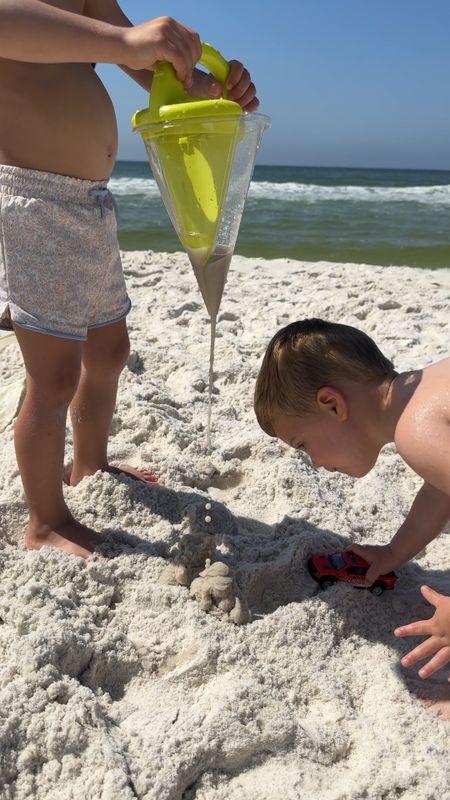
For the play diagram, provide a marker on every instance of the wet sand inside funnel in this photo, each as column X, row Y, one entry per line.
column 212, row 276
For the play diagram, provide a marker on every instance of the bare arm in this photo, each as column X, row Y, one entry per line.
column 423, row 440
column 35, row 32
column 112, row 13
column 428, row 515
column 241, row 88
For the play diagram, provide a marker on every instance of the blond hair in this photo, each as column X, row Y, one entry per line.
column 309, row 354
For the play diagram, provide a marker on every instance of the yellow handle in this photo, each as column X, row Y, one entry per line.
column 215, row 62
column 167, row 89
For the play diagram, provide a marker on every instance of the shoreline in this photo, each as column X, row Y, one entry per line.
column 115, row 684
column 360, row 215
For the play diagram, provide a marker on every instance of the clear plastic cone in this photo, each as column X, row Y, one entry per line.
column 203, row 167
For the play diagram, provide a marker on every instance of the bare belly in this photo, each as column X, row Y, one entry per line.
column 56, row 118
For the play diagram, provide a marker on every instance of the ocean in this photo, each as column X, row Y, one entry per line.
column 372, row 216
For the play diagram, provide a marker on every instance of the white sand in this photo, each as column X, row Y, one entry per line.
column 114, row 686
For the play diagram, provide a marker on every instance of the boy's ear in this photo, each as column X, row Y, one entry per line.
column 331, row 401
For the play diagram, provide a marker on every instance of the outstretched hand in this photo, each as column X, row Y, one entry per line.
column 239, row 86
column 380, row 557
column 437, row 629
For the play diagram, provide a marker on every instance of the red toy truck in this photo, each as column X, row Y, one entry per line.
column 348, row 567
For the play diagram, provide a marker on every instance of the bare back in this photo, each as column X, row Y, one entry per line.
column 422, row 435
column 59, row 116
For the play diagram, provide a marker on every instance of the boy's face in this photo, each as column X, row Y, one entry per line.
column 330, row 438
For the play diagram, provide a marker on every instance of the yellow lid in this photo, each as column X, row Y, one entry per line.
column 190, row 143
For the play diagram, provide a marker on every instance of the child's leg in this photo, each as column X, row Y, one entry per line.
column 52, row 368
column 104, row 355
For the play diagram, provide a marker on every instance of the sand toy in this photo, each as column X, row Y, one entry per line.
column 202, row 154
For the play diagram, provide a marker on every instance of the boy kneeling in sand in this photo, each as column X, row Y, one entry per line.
column 327, row 389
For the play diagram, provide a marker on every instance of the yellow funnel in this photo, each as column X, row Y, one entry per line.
column 190, row 143
column 202, row 154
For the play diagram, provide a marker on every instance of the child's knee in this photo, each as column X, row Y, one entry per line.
column 110, row 358
column 118, row 357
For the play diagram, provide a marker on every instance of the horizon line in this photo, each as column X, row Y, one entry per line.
column 321, row 166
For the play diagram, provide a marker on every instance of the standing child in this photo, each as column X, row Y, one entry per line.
column 327, row 389
column 61, row 283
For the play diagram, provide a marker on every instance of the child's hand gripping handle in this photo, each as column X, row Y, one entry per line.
column 167, row 89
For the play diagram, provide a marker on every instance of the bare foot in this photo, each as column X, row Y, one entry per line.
column 139, row 474
column 72, row 478
column 72, row 537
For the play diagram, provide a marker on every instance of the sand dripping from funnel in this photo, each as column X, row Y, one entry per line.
column 211, row 278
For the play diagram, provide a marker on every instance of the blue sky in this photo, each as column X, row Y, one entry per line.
column 346, row 82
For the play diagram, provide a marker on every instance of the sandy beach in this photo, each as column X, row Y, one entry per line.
column 115, row 685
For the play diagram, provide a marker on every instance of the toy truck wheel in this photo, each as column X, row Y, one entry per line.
column 325, row 583
column 377, row 589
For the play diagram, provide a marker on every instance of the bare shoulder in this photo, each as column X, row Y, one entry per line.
column 422, row 435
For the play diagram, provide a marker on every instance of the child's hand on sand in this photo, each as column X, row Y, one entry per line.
column 380, row 557
column 437, row 629
column 239, row 85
